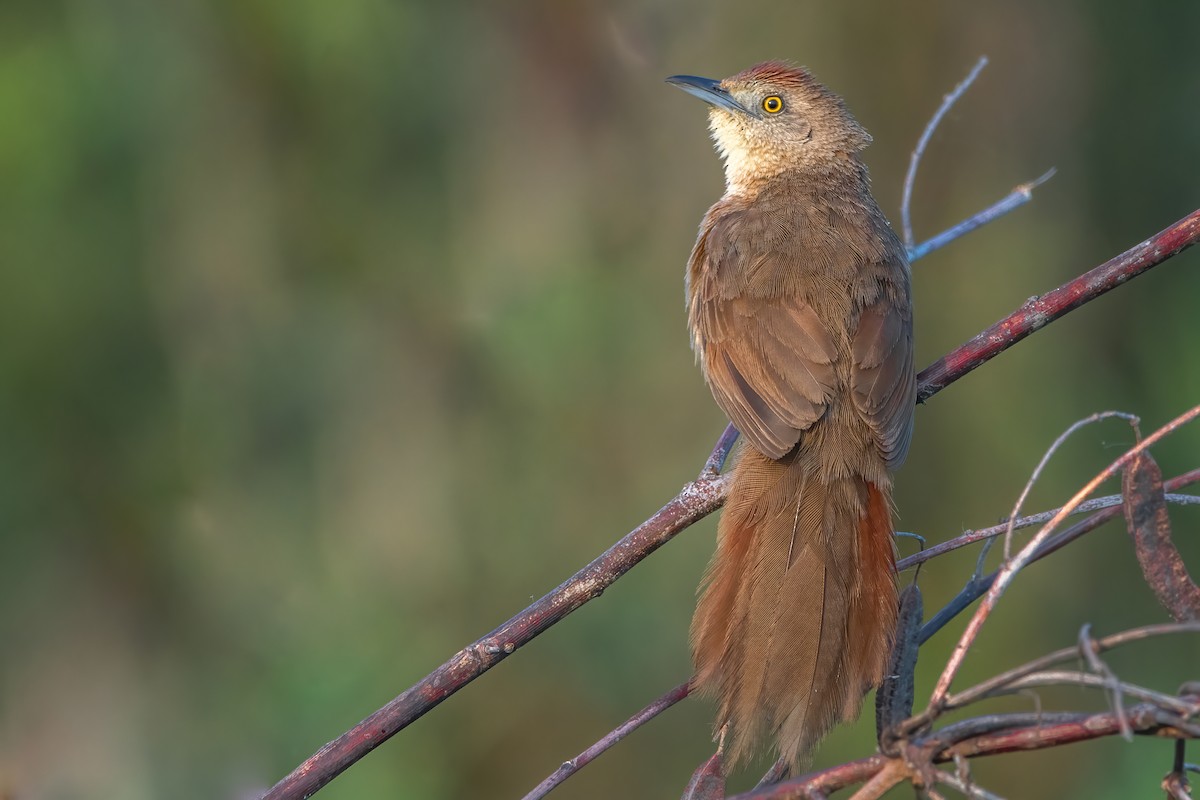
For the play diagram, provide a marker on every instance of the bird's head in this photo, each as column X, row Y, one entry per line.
column 774, row 118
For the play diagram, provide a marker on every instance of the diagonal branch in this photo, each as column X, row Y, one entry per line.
column 580, row 761
column 1038, row 312
column 697, row 499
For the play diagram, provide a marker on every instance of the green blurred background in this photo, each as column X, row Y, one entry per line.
column 332, row 333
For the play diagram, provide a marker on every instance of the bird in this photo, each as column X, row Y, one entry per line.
column 800, row 313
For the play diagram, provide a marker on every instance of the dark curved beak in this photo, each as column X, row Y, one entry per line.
column 708, row 90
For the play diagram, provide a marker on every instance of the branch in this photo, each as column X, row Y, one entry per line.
column 1096, row 646
column 972, row 592
column 1034, row 732
column 697, row 499
column 1012, row 566
column 977, row 586
column 1111, row 504
column 1038, row 312
column 919, row 151
column 1019, row 196
column 580, row 761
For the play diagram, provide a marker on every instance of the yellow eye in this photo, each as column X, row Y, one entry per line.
column 772, row 104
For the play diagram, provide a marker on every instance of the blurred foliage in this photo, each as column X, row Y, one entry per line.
column 334, row 332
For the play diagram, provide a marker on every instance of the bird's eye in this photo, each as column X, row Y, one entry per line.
column 772, row 104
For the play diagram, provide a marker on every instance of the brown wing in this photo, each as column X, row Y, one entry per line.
column 769, row 365
column 884, row 381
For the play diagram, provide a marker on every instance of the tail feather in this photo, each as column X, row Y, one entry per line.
column 797, row 608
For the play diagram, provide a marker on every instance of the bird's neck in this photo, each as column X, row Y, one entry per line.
column 748, row 174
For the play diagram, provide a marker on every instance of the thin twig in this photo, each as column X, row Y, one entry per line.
column 1019, row 196
column 1063, row 677
column 966, row 787
column 1006, row 678
column 1087, row 648
column 993, row 723
column 915, row 161
column 1143, row 718
column 1112, row 501
column 697, row 500
column 1011, row 567
column 1176, row 783
column 577, row 763
column 1037, row 471
column 977, row 586
column 976, row 589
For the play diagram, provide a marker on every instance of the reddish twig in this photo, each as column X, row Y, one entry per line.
column 698, row 499
column 1038, row 312
column 1055, row 730
column 695, row 501
column 1012, row 566
column 648, row 713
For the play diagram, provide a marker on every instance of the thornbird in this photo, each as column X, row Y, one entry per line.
column 800, row 315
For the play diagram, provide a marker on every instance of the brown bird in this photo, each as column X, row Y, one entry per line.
column 800, row 313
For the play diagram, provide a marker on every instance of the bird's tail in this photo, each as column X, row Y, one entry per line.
column 798, row 607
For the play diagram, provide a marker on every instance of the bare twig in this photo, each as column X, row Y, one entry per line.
column 1037, row 312
column 1063, row 677
column 977, row 586
column 1142, row 718
column 966, row 786
column 915, row 161
column 1011, row 567
column 1007, row 678
column 695, row 501
column 648, row 713
column 1052, row 730
column 1112, row 501
column 1087, row 648
column 1019, row 196
column 1037, row 471
column 698, row 499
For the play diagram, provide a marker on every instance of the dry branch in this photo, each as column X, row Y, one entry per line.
column 580, row 761
column 1037, row 312
column 1007, row 733
column 1011, row 567
column 698, row 499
